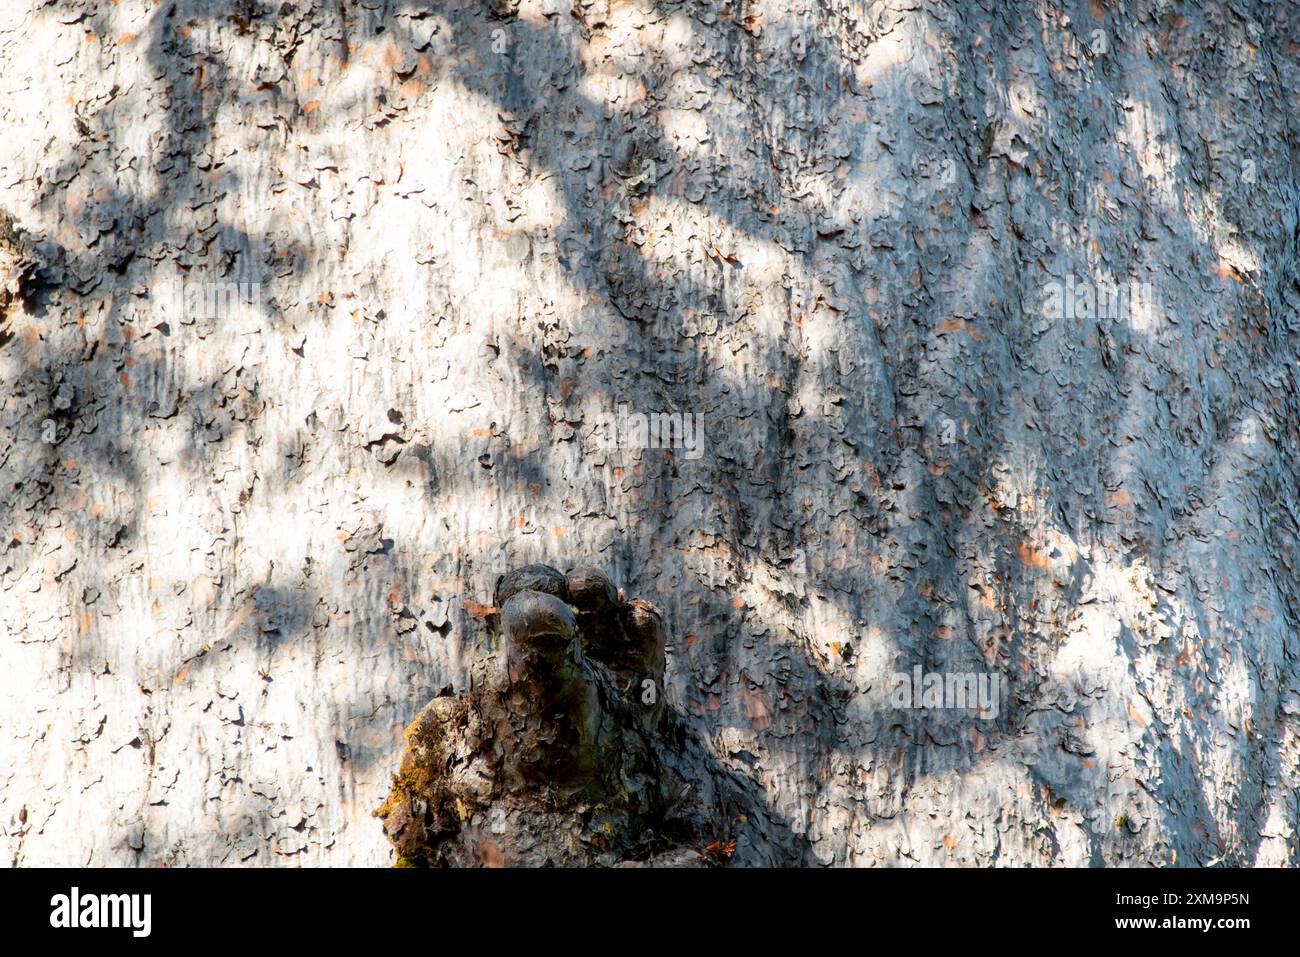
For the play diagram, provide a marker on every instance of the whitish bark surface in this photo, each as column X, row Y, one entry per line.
column 247, row 541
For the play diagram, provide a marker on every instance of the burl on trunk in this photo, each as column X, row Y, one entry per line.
column 562, row 750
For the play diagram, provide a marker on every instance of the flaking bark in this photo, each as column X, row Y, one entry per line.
column 242, row 547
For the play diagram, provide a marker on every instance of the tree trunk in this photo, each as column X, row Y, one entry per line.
column 980, row 326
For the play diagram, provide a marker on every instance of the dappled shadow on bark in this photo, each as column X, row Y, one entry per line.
column 812, row 550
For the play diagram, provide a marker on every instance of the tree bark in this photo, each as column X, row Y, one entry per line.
column 979, row 321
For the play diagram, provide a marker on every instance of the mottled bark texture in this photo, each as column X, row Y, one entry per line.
column 248, row 536
column 561, row 752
